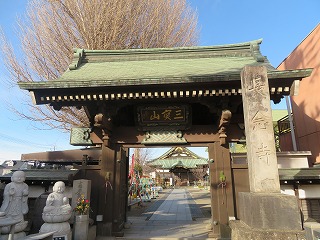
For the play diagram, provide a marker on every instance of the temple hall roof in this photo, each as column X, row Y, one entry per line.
column 178, row 157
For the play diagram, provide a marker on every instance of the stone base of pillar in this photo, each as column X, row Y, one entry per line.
column 268, row 211
column 242, row 231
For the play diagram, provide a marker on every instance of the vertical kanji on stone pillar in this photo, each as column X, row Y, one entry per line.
column 261, row 151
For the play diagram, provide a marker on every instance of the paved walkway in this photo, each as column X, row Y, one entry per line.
column 174, row 208
column 178, row 217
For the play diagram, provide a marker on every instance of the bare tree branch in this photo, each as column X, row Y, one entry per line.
column 52, row 28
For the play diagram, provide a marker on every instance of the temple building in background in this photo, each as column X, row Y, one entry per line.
column 180, row 167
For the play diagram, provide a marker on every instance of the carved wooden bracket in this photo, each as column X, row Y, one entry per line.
column 224, row 122
column 103, row 123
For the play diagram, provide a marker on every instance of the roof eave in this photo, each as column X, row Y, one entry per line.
column 272, row 75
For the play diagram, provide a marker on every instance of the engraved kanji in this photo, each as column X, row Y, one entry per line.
column 264, row 152
column 259, row 121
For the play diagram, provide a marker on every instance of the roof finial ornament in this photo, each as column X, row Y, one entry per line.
column 255, row 48
column 77, row 56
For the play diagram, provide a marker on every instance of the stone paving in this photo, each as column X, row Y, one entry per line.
column 177, row 217
column 174, row 208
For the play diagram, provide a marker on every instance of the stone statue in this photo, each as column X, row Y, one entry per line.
column 57, row 212
column 15, row 201
column 57, row 207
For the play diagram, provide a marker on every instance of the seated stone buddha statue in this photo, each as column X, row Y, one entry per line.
column 57, row 207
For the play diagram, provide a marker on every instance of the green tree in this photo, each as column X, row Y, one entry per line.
column 52, row 28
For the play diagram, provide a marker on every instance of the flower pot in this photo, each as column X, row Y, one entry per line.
column 81, row 227
column 82, row 218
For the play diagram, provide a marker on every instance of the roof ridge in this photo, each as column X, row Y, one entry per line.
column 250, row 48
column 191, row 155
column 172, row 49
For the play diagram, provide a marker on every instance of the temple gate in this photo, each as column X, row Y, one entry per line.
column 187, row 96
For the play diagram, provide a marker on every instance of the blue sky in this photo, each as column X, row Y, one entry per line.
column 281, row 24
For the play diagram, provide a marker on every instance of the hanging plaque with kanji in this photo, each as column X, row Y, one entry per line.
column 175, row 117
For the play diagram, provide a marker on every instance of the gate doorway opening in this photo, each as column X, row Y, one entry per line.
column 165, row 205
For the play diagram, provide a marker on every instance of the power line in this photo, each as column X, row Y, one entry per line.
column 22, row 141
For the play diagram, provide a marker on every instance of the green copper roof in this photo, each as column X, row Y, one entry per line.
column 95, row 68
column 178, row 157
column 277, row 114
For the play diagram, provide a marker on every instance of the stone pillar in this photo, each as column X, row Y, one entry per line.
column 261, row 151
column 264, row 213
column 80, row 187
column 80, row 228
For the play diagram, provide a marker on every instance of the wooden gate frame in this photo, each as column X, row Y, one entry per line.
column 114, row 83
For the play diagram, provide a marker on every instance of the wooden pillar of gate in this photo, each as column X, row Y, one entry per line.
column 120, row 191
column 222, row 201
column 106, row 190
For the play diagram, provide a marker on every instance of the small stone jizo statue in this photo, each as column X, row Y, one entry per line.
column 15, row 201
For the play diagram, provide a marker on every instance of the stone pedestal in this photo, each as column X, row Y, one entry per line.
column 241, row 231
column 81, row 227
column 269, row 211
column 61, row 230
